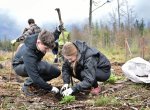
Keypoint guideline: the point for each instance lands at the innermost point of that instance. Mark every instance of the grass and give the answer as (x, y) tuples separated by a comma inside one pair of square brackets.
[(112, 79), (114, 55), (67, 99), (118, 54), (116, 98), (106, 100), (5, 55), (8, 104)]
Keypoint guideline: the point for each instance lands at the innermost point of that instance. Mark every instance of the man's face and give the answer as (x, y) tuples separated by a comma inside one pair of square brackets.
[(41, 47)]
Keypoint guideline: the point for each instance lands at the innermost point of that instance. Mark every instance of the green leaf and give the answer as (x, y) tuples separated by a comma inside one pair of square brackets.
[(67, 99)]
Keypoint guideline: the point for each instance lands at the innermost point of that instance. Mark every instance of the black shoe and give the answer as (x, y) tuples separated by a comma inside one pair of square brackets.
[(26, 90), (33, 90)]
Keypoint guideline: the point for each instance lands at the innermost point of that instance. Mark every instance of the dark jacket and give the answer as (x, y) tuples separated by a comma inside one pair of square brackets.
[(33, 29), (89, 60), (29, 55), (56, 35)]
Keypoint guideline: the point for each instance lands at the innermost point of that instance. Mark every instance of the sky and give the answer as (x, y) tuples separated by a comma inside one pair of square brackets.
[(72, 11), (44, 10)]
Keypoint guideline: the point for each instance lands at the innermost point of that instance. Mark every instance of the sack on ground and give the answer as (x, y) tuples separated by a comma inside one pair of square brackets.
[(137, 70)]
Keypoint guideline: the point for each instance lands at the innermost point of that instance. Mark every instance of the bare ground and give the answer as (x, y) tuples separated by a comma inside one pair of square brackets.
[(129, 96)]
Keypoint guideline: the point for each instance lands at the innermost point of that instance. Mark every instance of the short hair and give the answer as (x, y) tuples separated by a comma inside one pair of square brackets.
[(47, 38), (30, 21)]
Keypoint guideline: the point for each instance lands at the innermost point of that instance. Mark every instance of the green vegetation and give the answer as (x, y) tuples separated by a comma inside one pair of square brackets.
[(106, 100), (114, 78), (113, 54), (9, 104), (2, 58), (118, 43), (67, 99)]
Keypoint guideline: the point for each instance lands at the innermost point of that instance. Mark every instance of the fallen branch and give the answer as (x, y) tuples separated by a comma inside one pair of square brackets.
[(113, 89), (49, 106), (74, 107)]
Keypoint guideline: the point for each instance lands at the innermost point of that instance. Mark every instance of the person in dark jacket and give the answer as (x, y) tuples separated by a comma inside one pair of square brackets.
[(86, 64), (61, 32), (28, 62), (33, 29), (55, 49)]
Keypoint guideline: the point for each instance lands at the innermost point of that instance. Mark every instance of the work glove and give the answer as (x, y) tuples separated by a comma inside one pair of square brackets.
[(67, 92), (13, 42), (55, 90), (64, 87)]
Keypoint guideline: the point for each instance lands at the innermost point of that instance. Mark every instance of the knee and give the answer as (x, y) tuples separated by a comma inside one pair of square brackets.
[(42, 69), (102, 76), (54, 71), (20, 71)]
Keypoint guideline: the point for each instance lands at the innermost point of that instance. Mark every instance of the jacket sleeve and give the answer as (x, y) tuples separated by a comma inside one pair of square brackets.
[(31, 67), (66, 73), (26, 33), (56, 34), (32, 30), (87, 74)]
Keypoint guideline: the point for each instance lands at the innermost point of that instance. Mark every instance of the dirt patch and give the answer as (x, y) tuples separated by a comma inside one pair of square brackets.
[(129, 96)]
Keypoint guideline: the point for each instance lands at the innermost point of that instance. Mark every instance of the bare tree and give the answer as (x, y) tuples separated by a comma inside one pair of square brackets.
[(129, 17), (118, 13), (90, 14)]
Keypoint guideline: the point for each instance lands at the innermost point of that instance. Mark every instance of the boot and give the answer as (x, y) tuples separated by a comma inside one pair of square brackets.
[(33, 90), (95, 91), (27, 90)]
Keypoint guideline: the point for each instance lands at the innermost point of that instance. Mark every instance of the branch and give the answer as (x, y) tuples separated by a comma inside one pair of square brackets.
[(100, 5)]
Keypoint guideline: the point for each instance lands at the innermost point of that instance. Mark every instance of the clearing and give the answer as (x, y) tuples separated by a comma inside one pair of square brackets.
[(121, 95)]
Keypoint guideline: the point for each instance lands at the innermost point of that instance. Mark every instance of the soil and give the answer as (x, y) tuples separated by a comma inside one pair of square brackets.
[(129, 95)]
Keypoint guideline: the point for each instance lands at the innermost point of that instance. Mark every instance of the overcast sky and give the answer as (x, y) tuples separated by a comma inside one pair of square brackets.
[(71, 10)]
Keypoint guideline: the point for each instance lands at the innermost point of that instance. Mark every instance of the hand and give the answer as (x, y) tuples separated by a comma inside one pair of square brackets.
[(26, 29), (55, 90), (13, 42), (60, 27), (64, 87), (67, 92)]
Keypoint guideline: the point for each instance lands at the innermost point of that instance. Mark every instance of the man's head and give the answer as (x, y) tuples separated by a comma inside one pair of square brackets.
[(70, 52), (31, 21), (45, 41)]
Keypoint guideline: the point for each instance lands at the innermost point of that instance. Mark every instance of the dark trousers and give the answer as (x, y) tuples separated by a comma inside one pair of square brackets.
[(102, 74), (46, 71)]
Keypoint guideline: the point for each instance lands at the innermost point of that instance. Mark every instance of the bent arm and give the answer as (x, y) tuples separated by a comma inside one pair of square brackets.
[(88, 75), (31, 67)]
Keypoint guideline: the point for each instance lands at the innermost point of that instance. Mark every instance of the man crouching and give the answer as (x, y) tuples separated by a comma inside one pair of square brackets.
[(27, 62)]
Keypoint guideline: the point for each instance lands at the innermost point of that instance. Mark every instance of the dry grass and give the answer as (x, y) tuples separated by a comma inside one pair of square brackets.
[(124, 95)]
